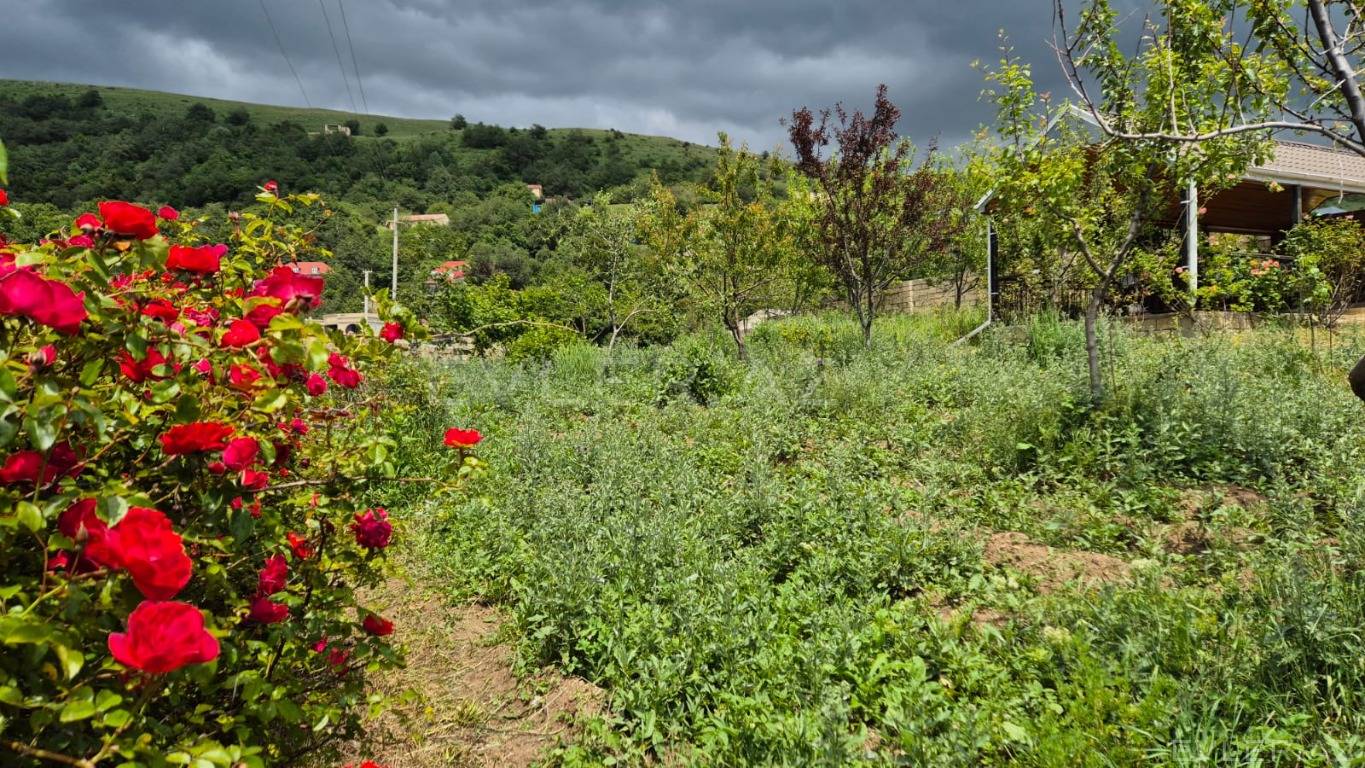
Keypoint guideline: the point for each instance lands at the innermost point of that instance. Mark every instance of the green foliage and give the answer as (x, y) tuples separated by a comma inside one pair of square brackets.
[(109, 392), (785, 569), (1328, 261)]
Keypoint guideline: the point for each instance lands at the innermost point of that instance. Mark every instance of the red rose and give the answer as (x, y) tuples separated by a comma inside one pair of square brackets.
[(4, 197), (204, 260), (241, 333), (140, 371), (88, 222), (168, 213), (203, 367), (163, 637), (50, 302), (241, 453), (372, 528), (317, 385), (25, 466), (80, 524), (43, 357), (127, 219), (272, 187), (338, 658), (293, 290), (216, 467), (162, 310), (152, 553), (391, 332), (300, 546), (262, 313), (243, 377), (204, 318), (377, 625), (272, 577), (195, 437), (267, 611), (347, 378), (299, 426), (255, 481), (463, 438)]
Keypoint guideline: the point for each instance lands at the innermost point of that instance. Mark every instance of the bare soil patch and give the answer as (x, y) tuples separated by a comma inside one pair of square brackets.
[(1052, 567), (458, 701)]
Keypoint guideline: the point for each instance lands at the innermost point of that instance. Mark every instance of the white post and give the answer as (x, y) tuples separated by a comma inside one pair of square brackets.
[(393, 285), (990, 269), (1192, 239)]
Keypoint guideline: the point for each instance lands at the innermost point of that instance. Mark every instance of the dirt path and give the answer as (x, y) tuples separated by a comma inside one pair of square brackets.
[(458, 702)]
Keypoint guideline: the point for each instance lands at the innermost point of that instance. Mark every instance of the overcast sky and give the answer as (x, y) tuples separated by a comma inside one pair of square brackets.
[(684, 68)]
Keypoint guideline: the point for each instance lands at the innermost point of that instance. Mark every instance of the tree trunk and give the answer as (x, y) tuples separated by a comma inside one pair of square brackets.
[(865, 317), (1092, 346), (737, 333)]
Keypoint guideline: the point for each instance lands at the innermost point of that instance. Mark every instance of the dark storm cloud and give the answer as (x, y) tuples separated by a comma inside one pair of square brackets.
[(686, 68)]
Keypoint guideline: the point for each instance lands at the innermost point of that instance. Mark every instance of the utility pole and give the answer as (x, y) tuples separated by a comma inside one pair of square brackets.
[(393, 285), (367, 290)]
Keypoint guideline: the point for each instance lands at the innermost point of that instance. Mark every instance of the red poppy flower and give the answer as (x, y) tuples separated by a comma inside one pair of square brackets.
[(152, 552), (463, 438), (377, 625), (195, 437), (243, 377), (168, 213), (273, 576), (253, 480), (127, 219), (241, 333), (372, 528), (88, 222), (391, 332), (241, 453), (162, 310), (163, 637), (203, 260), (292, 289), (317, 385), (299, 545), (267, 611)]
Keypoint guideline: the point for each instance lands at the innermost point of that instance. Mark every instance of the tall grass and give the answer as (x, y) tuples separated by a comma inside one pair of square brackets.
[(776, 563)]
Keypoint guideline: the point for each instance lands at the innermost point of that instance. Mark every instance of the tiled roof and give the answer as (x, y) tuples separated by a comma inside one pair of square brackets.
[(1297, 162), (310, 267)]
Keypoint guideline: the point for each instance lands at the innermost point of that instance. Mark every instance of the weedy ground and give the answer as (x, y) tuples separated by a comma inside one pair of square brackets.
[(924, 554)]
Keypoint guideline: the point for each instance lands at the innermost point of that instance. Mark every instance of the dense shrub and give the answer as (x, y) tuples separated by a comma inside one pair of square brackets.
[(187, 460)]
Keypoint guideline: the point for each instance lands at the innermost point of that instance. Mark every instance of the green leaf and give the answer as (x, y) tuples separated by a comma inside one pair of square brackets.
[(77, 710), (90, 372), (118, 718), (271, 400), (42, 431), (106, 700), (29, 516), (9, 388), (71, 660), (4, 164)]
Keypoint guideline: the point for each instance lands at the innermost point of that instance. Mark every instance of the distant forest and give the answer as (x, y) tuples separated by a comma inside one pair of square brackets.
[(68, 149)]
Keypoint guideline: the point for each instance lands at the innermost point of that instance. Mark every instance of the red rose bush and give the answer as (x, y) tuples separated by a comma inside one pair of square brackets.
[(191, 470)]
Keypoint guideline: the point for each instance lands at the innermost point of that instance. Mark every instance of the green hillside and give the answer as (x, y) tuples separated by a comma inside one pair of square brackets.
[(193, 150)]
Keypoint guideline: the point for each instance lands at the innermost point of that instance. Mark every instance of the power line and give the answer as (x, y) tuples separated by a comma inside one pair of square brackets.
[(285, 54), (337, 51), (363, 102)]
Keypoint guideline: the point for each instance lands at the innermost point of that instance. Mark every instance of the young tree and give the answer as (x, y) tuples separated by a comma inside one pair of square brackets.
[(1102, 198), (735, 251), (602, 241), (1263, 68), (877, 216)]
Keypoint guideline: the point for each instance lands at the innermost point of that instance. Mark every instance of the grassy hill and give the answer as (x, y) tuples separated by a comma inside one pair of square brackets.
[(150, 145)]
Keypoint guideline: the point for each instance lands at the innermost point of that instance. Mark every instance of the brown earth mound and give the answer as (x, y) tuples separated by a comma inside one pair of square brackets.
[(1052, 567)]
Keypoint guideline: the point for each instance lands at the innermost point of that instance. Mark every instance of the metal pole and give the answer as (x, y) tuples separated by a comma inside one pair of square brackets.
[(1192, 239), (393, 285)]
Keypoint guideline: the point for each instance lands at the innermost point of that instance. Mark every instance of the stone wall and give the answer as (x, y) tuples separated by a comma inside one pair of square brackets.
[(920, 295)]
